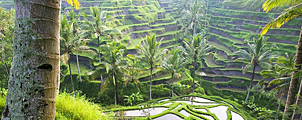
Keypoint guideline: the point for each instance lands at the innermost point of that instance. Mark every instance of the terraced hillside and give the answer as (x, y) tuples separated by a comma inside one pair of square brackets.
[(135, 19), (185, 107), (228, 30)]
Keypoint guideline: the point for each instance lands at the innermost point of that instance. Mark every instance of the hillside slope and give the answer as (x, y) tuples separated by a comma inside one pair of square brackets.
[(229, 27)]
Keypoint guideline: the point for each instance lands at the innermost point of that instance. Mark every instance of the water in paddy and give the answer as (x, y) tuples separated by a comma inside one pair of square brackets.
[(169, 117), (236, 116), (185, 113), (196, 103), (152, 111), (220, 112)]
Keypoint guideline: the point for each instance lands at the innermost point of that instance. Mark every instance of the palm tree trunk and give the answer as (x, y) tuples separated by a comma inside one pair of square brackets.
[(297, 100), (115, 93), (251, 83), (280, 99), (35, 67), (99, 49), (99, 53), (151, 81), (172, 84), (193, 74), (294, 81), (3, 56), (207, 9), (71, 78), (194, 29), (78, 66)]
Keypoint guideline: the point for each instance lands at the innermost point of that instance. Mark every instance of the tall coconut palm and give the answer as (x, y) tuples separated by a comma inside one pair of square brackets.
[(195, 51), (151, 54), (281, 74), (80, 47), (131, 70), (293, 11), (192, 15), (112, 66), (72, 42), (173, 64), (35, 70), (100, 26), (257, 55)]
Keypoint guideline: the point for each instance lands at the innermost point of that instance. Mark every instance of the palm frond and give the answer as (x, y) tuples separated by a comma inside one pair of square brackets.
[(247, 67), (288, 14)]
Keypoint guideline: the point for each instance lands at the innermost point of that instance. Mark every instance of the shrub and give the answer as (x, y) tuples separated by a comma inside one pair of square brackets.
[(3, 94), (200, 90)]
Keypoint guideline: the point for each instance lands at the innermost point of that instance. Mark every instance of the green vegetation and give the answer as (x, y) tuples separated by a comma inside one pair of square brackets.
[(78, 108), (205, 40)]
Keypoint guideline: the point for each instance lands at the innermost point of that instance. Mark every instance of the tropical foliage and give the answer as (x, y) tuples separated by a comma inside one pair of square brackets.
[(257, 55), (195, 51), (173, 64), (72, 41), (6, 36), (192, 15), (150, 54), (112, 66), (293, 11)]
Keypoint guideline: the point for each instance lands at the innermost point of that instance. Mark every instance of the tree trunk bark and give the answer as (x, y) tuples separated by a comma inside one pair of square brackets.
[(78, 66), (115, 94), (193, 74), (293, 88), (297, 100), (280, 100), (99, 49), (99, 53), (71, 78), (194, 31), (151, 82), (172, 84), (251, 83), (3, 56), (35, 66)]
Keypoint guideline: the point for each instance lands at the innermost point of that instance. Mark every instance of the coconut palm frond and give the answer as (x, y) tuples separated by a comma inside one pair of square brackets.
[(290, 13)]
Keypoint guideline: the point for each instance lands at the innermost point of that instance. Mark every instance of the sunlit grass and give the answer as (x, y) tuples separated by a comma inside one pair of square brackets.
[(78, 108)]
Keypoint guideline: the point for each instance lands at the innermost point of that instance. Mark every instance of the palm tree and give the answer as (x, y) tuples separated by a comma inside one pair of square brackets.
[(192, 15), (80, 47), (195, 51), (151, 54), (112, 65), (293, 11), (131, 70), (257, 55), (72, 42), (99, 26), (174, 64), (281, 75)]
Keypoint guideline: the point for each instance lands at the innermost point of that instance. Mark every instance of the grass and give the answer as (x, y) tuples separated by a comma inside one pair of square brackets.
[(74, 68), (164, 24), (2, 99), (68, 107), (210, 62), (221, 47)]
